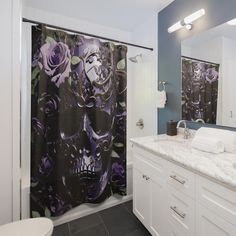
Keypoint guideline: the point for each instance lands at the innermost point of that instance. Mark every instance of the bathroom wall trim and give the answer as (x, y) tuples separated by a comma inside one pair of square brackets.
[(16, 85)]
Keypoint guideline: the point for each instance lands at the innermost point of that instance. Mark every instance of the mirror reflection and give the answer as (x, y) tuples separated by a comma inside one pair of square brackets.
[(209, 76)]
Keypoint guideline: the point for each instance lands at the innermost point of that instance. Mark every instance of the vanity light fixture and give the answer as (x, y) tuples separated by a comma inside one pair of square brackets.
[(232, 22), (187, 21)]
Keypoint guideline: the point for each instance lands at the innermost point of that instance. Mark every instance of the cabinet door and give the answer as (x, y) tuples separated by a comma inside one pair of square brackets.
[(209, 223), (140, 196), (157, 206), (173, 230)]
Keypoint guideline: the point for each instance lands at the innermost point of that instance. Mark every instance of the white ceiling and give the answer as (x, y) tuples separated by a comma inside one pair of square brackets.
[(120, 14)]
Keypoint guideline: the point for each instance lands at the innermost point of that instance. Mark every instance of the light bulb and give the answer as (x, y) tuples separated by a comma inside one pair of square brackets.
[(175, 27), (189, 19), (232, 22)]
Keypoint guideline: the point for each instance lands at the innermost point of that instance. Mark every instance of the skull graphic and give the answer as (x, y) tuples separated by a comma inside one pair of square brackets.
[(92, 113)]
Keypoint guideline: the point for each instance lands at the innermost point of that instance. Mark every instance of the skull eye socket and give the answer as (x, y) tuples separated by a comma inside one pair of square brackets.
[(101, 121), (70, 122)]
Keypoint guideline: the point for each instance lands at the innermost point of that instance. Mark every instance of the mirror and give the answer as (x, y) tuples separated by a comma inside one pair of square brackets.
[(209, 76)]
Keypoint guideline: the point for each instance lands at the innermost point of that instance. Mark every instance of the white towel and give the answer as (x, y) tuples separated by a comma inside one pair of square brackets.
[(227, 137), (208, 144), (161, 99)]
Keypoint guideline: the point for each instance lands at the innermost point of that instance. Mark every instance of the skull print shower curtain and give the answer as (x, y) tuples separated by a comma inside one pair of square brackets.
[(78, 121)]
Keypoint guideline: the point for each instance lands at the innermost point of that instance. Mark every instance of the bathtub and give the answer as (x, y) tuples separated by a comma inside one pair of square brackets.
[(82, 210)]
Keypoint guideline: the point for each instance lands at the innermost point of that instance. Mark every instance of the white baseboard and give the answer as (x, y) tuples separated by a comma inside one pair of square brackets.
[(88, 209)]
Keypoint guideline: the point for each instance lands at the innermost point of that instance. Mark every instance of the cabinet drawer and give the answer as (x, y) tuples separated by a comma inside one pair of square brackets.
[(148, 168), (217, 198), (181, 179), (208, 223), (181, 212), (173, 230)]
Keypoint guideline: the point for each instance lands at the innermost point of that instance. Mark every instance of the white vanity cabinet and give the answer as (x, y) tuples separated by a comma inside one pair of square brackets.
[(173, 201), (216, 209), (149, 193), (209, 223)]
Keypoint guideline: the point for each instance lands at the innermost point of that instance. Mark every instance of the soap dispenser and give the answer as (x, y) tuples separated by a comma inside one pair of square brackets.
[(171, 129)]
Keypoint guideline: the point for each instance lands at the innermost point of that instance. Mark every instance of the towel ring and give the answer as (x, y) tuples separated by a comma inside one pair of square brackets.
[(163, 83)]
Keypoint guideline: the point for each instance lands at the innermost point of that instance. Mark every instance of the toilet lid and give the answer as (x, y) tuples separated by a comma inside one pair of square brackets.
[(29, 227)]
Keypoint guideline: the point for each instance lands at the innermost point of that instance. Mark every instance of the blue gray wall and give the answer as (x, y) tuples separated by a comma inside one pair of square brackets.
[(169, 46)]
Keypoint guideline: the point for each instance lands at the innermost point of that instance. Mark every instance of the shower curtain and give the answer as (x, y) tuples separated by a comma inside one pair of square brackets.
[(199, 90), (78, 121)]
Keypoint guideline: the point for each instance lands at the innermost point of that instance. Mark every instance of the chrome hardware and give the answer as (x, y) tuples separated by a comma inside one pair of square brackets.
[(186, 130), (140, 123), (146, 177), (180, 122), (186, 133), (200, 120), (175, 209), (174, 177), (163, 83)]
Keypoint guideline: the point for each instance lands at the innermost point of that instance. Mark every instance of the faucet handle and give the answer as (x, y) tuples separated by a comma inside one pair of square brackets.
[(187, 133)]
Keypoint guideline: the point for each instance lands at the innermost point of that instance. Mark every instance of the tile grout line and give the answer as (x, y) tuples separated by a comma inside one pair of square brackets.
[(68, 225), (126, 208), (132, 214), (104, 224), (132, 232), (86, 228)]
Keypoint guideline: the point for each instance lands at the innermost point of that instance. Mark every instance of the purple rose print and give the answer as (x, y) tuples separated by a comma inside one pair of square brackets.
[(118, 169), (48, 104), (46, 165), (118, 175), (78, 116), (55, 60), (199, 90)]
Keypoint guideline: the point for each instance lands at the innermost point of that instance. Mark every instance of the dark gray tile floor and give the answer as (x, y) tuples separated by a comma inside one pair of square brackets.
[(115, 221)]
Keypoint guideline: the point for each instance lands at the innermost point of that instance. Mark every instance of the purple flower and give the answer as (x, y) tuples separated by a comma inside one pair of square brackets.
[(55, 59), (48, 104), (46, 165), (118, 169)]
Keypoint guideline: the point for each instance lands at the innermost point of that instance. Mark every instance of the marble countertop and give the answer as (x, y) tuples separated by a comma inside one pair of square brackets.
[(221, 167)]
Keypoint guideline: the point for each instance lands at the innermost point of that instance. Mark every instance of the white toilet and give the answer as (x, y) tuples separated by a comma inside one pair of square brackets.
[(29, 227)]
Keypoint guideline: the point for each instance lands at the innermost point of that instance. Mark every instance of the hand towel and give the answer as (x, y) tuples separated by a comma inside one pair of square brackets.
[(208, 144), (227, 137), (161, 99)]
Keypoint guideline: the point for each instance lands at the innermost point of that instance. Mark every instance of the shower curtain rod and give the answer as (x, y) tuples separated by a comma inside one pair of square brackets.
[(195, 59), (87, 34)]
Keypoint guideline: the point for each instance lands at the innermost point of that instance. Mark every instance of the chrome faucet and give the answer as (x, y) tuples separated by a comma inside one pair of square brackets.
[(186, 130), (200, 120)]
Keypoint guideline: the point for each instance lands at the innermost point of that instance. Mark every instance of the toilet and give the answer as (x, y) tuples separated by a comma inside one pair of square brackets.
[(28, 227)]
